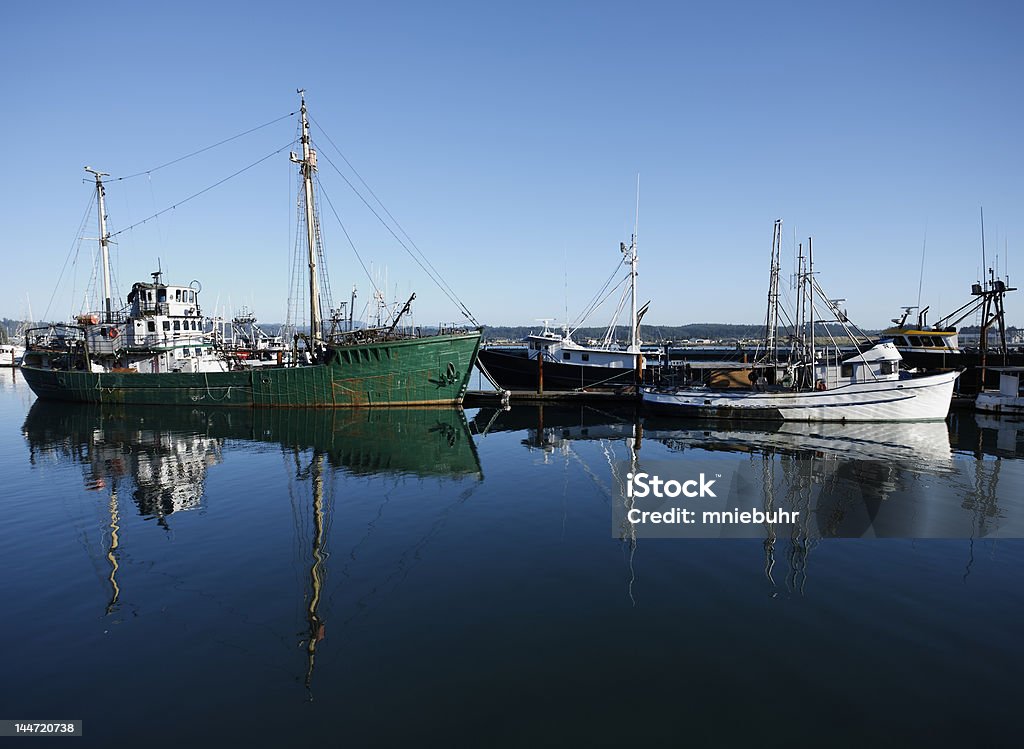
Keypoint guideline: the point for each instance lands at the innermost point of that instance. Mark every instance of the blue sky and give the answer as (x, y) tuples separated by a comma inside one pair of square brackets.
[(507, 140)]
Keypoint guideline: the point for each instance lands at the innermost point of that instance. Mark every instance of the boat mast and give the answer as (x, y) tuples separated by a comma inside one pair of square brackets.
[(104, 242), (308, 166), (634, 323), (771, 327), (810, 295)]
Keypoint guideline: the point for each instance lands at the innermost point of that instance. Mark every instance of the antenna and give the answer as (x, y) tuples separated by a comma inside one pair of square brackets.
[(984, 262), (920, 280)]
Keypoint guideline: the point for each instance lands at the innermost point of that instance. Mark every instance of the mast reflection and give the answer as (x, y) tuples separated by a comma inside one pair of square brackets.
[(163, 456)]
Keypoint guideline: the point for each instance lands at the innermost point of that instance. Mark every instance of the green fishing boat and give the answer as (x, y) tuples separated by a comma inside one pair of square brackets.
[(157, 351)]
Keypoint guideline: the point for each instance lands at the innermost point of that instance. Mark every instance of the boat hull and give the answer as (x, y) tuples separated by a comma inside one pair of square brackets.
[(514, 370), (410, 372), (917, 399)]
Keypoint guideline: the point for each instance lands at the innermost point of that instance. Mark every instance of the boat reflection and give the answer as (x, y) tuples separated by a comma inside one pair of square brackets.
[(163, 455), (870, 480), (167, 451)]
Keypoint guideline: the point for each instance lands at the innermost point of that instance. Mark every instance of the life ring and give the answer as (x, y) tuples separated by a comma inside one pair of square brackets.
[(112, 333)]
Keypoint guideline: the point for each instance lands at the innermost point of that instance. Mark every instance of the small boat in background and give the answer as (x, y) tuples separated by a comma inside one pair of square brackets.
[(1008, 400), (10, 355), (941, 346)]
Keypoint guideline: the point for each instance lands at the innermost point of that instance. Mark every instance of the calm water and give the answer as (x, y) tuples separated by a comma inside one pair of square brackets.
[(429, 577)]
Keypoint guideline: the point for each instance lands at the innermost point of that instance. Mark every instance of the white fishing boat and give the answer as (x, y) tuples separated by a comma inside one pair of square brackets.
[(818, 383), (865, 387), (1009, 398)]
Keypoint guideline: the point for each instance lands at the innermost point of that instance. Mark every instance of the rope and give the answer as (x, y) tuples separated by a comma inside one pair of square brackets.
[(429, 269), (203, 150), (204, 190)]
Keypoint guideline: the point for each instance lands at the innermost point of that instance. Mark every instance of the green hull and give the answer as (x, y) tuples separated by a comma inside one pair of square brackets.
[(409, 372)]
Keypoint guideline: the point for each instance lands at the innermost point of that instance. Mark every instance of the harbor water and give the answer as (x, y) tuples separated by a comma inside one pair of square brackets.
[(440, 577)]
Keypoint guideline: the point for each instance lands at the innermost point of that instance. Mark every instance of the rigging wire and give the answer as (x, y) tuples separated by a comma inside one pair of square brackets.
[(203, 150), (432, 273), (326, 197), (72, 256), (598, 299), (204, 190)]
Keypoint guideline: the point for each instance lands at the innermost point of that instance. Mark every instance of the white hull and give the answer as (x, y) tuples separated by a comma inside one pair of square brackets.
[(918, 399)]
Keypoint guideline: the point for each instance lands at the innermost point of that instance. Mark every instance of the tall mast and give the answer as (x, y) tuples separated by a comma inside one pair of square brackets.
[(308, 166), (810, 294), (634, 334), (104, 243), (771, 326)]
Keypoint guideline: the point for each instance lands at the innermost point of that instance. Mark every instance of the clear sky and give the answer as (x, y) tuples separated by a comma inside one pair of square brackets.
[(507, 139)]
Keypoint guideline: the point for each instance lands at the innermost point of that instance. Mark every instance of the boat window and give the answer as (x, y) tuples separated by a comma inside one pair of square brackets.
[(899, 340), (566, 355), (167, 325), (151, 326), (149, 296), (914, 340), (846, 370), (177, 325), (585, 357), (177, 295), (887, 368), (187, 352), (161, 295)]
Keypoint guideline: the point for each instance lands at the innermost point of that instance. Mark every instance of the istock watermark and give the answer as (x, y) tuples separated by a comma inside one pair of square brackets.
[(644, 484), (771, 496)]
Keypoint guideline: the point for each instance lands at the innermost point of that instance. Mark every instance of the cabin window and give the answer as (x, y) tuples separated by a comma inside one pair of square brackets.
[(199, 352), (566, 355), (887, 368), (846, 370), (187, 352), (914, 340), (585, 357), (177, 295), (151, 326), (167, 325), (177, 325), (899, 340), (161, 296)]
